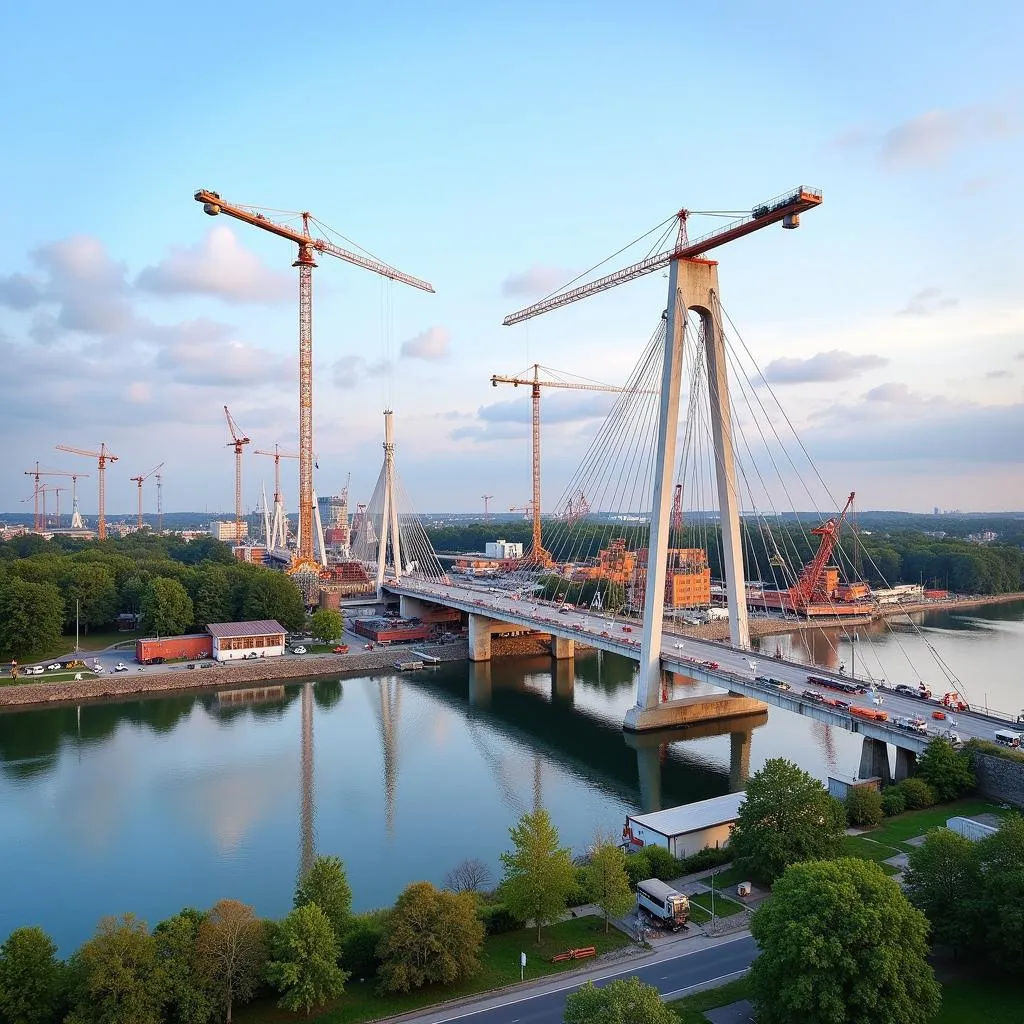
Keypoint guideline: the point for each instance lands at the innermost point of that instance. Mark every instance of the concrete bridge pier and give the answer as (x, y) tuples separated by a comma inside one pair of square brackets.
[(563, 680), (874, 760), (739, 760), (412, 607), (480, 684), (906, 764), (562, 647)]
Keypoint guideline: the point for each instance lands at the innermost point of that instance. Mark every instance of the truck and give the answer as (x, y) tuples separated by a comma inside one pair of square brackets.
[(157, 650), (716, 614), (661, 903)]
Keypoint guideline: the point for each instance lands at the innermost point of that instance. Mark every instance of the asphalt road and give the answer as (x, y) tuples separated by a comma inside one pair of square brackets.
[(673, 974)]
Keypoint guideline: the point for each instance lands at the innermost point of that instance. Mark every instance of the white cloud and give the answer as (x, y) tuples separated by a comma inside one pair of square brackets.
[(220, 266), (835, 365), (431, 344), (535, 281), (926, 302), (997, 374)]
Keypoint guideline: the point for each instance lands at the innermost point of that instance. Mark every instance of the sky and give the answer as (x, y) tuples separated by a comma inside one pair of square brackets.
[(497, 151)]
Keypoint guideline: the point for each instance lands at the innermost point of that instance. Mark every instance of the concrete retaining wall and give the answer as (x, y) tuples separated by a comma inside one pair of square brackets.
[(999, 778)]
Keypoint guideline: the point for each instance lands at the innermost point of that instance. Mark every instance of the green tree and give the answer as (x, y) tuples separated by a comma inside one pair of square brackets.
[(304, 960), (166, 607), (840, 944), (607, 882), (31, 615), (941, 879), (326, 624), (187, 991), (211, 599), (539, 874), (116, 977), (1000, 910), (863, 807), (131, 594), (787, 816), (273, 595), (232, 947), (30, 978), (326, 885), (947, 770), (916, 793), (628, 1001), (434, 936), (91, 585)]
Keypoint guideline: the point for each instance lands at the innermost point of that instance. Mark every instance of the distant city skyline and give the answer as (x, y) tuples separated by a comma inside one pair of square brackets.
[(497, 154)]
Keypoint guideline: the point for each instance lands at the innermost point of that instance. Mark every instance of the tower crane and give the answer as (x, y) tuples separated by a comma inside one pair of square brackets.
[(537, 555), (238, 442), (102, 457), (56, 494), (487, 511), (278, 529), (39, 521), (39, 492), (159, 503), (140, 480), (309, 246)]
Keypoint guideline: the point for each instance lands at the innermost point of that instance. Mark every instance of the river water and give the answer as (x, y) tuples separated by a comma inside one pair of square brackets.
[(152, 805)]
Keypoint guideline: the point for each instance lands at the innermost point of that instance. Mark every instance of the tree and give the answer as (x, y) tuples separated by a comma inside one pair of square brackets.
[(211, 600), (468, 876), (187, 991), (628, 1001), (30, 978), (864, 807), (947, 770), (166, 607), (326, 885), (90, 587), (434, 936), (304, 960), (116, 975), (916, 793), (942, 875), (272, 595), (232, 946), (326, 624), (606, 880), (31, 615), (539, 874), (1001, 905), (840, 944), (787, 816)]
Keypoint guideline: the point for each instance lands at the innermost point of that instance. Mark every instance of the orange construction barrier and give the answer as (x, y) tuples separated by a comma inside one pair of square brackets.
[(574, 954)]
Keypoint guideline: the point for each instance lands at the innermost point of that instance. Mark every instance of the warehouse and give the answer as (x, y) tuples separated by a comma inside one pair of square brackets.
[(232, 641), (390, 631), (686, 829)]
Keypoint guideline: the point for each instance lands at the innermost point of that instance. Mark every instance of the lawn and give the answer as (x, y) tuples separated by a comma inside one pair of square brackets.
[(967, 1000), (691, 1009), (500, 967), (724, 907)]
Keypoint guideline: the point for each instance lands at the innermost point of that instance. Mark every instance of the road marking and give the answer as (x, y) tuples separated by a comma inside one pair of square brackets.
[(710, 983)]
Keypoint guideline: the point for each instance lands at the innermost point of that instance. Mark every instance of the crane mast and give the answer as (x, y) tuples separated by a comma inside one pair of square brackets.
[(140, 480), (238, 442), (102, 457), (305, 261)]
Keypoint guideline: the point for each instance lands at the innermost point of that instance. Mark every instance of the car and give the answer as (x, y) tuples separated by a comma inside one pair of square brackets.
[(250, 655), (367, 647), (341, 649), (56, 666), (34, 670), (679, 647), (711, 664), (779, 684), (627, 629), (298, 650), (811, 695), (904, 690), (120, 667)]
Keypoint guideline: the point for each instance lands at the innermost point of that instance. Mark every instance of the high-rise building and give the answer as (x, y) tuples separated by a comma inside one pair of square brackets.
[(225, 531)]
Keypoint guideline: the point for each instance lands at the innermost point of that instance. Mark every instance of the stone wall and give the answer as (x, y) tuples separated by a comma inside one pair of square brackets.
[(999, 778)]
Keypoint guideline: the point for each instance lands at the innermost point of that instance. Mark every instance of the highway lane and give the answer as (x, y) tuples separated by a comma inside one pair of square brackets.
[(672, 973)]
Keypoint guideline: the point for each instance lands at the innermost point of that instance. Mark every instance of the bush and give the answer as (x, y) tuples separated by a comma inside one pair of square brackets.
[(497, 918), (917, 793), (993, 750), (580, 893), (948, 771), (661, 863), (864, 807), (893, 801), (703, 860), (361, 942)]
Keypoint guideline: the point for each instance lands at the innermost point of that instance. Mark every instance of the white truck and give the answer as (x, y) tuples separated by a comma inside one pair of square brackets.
[(716, 614), (661, 903)]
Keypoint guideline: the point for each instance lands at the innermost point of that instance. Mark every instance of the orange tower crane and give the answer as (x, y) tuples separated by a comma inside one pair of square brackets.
[(238, 442), (102, 457), (278, 533), (537, 555), (39, 492), (308, 247), (140, 480), (39, 521)]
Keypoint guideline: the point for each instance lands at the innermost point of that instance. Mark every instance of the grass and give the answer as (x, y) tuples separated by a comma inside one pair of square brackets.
[(691, 1009), (967, 1000), (724, 907), (95, 641), (500, 962), (729, 878)]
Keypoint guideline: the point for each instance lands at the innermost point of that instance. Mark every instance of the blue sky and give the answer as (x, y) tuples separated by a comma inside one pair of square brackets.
[(497, 150)]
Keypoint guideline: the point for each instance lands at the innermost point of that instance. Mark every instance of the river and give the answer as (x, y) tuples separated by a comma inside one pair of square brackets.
[(152, 805)]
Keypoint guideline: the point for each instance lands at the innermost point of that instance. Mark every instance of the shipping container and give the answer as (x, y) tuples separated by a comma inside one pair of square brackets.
[(153, 651)]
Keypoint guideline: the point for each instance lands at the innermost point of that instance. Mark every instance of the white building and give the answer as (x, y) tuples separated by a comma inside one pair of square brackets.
[(225, 531), (232, 641), (687, 829), (503, 549)]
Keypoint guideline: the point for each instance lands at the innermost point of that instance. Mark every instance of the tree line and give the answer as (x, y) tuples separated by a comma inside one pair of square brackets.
[(174, 586)]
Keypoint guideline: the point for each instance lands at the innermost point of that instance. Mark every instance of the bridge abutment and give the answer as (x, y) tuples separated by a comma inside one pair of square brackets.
[(906, 764), (739, 760), (411, 607), (874, 760), (480, 629)]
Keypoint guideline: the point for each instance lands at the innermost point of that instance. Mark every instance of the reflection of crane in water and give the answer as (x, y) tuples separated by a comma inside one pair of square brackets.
[(387, 712), (826, 742), (498, 771), (307, 839)]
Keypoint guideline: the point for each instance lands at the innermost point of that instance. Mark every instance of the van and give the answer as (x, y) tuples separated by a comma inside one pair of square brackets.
[(1005, 738)]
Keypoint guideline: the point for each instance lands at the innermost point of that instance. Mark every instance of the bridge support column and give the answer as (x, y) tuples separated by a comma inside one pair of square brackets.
[(874, 760), (906, 764), (411, 607), (563, 680), (562, 647), (480, 637), (739, 760), (480, 684)]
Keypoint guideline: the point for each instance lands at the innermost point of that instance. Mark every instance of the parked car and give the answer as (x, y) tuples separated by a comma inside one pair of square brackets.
[(341, 649), (251, 655), (34, 670), (299, 650), (56, 666), (120, 667)]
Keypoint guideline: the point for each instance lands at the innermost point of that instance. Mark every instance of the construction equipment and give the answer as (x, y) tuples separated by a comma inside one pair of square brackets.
[(576, 508), (38, 495), (537, 555), (56, 492), (159, 504), (39, 520), (279, 525), (140, 480), (238, 442), (102, 457), (677, 508), (487, 512), (308, 247)]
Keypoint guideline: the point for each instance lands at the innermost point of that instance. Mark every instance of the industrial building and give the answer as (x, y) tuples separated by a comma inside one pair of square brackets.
[(263, 638), (389, 631), (687, 579), (503, 549), (687, 829)]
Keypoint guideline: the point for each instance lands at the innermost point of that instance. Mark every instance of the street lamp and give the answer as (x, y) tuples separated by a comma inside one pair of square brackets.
[(713, 873)]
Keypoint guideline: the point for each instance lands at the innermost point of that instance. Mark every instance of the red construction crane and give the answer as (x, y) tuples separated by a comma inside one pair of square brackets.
[(677, 508), (140, 480), (804, 591), (39, 492), (238, 442), (308, 246), (537, 555), (102, 457), (786, 208)]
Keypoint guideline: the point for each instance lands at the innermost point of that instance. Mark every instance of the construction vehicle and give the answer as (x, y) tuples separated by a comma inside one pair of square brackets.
[(954, 702)]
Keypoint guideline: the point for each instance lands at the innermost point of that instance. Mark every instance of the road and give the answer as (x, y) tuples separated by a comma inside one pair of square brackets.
[(691, 656), (674, 974)]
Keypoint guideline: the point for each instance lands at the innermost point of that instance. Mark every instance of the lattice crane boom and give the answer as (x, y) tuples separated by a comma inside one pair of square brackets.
[(829, 534), (786, 208), (140, 480), (102, 457), (38, 521), (238, 442), (308, 246)]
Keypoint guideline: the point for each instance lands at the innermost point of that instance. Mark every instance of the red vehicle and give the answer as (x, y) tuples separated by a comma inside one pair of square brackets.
[(627, 629), (341, 649), (173, 648), (711, 664), (954, 702)]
